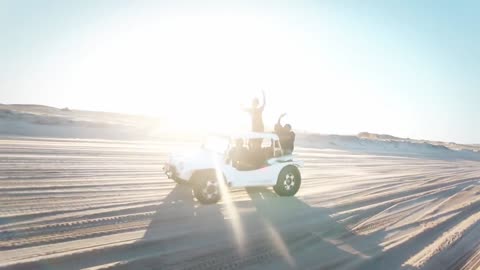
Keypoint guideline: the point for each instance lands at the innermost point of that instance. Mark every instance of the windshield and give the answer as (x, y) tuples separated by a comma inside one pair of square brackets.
[(216, 144)]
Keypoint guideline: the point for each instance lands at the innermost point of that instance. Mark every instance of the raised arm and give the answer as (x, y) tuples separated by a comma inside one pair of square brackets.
[(280, 118)]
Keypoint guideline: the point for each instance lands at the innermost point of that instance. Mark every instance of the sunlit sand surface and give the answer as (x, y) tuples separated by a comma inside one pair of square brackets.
[(68, 204)]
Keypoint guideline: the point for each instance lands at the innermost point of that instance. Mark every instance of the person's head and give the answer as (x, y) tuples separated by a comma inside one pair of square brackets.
[(288, 127), (255, 102), (239, 142)]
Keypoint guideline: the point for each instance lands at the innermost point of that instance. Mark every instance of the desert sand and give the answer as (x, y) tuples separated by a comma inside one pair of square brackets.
[(105, 204)]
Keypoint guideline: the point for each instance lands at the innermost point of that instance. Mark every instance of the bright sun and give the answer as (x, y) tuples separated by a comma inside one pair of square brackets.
[(198, 71)]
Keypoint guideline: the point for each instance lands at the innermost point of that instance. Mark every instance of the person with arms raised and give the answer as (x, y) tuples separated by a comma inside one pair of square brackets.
[(256, 113)]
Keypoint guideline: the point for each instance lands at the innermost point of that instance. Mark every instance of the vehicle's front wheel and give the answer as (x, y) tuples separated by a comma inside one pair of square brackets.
[(288, 182), (206, 188), (178, 180)]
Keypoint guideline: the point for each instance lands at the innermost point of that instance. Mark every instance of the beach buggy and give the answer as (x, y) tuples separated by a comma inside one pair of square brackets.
[(212, 170)]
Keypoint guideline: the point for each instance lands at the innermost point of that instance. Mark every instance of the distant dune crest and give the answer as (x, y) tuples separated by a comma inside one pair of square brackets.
[(44, 121)]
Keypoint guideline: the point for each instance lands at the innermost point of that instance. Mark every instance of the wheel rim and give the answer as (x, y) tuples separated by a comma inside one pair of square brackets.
[(210, 189), (289, 181)]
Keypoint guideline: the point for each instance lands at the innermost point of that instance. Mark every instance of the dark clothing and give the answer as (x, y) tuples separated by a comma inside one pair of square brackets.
[(287, 138), (279, 129), (257, 120), (246, 160), (238, 156), (288, 142), (256, 159)]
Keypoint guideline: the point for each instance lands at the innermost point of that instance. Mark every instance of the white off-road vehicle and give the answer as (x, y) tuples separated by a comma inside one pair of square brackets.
[(213, 167)]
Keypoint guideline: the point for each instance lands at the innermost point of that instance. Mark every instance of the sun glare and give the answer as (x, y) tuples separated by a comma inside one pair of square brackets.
[(231, 209), (185, 68), (197, 71)]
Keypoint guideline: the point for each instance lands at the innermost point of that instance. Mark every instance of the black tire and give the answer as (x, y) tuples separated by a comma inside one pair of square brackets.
[(288, 182), (206, 187), (178, 181)]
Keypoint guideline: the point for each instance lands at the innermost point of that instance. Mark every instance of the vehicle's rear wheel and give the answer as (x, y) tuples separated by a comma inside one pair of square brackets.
[(206, 188), (288, 182)]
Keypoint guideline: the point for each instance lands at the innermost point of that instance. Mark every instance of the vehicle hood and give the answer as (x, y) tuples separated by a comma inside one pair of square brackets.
[(199, 159)]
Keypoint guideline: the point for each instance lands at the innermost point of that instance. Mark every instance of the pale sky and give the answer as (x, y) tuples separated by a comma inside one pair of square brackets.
[(406, 68)]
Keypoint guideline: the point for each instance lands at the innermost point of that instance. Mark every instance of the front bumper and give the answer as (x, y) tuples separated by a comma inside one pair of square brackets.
[(174, 173), (170, 171)]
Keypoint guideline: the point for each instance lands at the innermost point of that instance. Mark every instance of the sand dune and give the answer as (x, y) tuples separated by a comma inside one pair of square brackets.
[(71, 204), (45, 121)]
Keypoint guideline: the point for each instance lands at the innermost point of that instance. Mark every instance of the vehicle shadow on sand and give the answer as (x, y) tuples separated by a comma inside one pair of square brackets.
[(257, 231), (312, 238), (261, 231)]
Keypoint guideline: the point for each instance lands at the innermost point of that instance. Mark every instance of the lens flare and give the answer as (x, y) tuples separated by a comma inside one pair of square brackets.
[(280, 245), (230, 207)]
